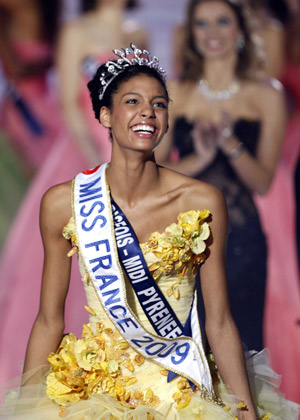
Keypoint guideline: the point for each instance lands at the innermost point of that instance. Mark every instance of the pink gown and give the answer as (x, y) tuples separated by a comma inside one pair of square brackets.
[(282, 307), (22, 257), (40, 98)]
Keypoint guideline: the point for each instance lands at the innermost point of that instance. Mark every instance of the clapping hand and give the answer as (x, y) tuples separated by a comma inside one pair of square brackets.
[(224, 132), (204, 136)]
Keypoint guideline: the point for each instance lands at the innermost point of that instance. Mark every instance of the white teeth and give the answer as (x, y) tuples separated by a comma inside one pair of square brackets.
[(214, 43), (142, 128)]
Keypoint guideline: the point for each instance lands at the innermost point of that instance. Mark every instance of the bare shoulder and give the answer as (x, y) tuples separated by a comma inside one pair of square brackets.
[(204, 195), (266, 95), (72, 30), (135, 33), (192, 194), (264, 89), (56, 208)]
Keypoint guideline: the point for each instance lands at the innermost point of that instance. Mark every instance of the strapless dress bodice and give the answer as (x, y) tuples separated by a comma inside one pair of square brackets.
[(172, 258)]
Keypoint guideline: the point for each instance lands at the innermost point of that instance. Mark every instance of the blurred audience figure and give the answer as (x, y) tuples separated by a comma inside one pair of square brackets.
[(227, 128), (279, 208), (28, 30), (294, 6), (290, 79), (291, 75), (266, 30), (82, 45)]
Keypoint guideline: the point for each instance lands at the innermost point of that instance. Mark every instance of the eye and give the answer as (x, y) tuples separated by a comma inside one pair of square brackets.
[(224, 21), (201, 23), (132, 101), (160, 104)]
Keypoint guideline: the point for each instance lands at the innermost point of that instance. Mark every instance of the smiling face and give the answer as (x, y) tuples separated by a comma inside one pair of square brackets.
[(215, 29), (139, 115)]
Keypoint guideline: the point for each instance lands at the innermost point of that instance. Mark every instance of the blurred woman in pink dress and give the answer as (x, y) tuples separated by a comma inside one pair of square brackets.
[(278, 207), (28, 32), (81, 45)]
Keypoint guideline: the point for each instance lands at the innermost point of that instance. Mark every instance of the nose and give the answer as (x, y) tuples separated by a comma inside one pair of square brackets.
[(147, 111), (212, 28)]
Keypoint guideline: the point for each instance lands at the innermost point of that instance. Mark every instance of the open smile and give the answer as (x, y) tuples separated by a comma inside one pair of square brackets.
[(144, 130), (213, 43)]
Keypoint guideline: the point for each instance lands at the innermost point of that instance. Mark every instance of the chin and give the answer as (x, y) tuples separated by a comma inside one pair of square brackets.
[(219, 53)]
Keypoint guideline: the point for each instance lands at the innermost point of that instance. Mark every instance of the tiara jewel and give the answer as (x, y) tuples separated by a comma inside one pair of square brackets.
[(127, 57)]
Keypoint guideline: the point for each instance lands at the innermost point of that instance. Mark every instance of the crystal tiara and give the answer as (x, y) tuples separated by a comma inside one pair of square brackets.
[(127, 57)]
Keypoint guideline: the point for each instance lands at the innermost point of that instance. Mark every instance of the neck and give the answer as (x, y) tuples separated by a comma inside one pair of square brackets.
[(220, 73), (130, 180)]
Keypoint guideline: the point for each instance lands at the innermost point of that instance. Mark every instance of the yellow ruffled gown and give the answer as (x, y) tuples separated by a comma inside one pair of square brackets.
[(99, 376)]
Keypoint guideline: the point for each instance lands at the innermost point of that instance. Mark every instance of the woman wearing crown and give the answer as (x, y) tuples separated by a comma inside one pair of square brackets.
[(140, 232)]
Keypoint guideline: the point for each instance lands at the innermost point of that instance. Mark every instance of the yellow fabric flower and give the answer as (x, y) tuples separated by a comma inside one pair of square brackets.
[(204, 231), (198, 246), (189, 220), (60, 393), (87, 366), (88, 354), (69, 231), (180, 246), (174, 229), (113, 366)]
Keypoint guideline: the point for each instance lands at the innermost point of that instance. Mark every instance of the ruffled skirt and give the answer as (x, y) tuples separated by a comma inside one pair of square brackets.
[(33, 404)]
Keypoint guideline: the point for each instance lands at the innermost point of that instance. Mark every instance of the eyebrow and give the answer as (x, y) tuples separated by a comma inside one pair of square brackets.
[(138, 94)]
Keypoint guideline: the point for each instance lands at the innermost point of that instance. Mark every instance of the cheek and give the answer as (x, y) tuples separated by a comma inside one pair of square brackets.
[(164, 121), (198, 37), (230, 32)]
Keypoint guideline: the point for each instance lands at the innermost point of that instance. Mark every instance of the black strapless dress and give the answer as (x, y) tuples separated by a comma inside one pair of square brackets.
[(246, 248)]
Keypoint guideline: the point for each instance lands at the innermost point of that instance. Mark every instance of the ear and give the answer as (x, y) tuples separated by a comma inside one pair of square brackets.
[(104, 117)]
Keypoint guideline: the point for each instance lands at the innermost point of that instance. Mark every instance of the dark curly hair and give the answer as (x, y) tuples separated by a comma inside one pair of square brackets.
[(95, 86), (87, 5), (193, 60)]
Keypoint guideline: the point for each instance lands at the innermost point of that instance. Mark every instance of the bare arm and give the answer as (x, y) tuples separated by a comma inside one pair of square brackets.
[(220, 327), (256, 172), (274, 38), (48, 327), (69, 60)]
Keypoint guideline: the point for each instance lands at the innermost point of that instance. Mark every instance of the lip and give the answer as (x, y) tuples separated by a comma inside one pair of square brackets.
[(145, 135), (213, 43)]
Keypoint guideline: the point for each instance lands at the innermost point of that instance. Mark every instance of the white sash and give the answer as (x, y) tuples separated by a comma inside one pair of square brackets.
[(95, 234)]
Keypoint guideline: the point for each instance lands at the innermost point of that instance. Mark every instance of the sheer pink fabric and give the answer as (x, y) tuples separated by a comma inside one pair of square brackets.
[(22, 257), (282, 309)]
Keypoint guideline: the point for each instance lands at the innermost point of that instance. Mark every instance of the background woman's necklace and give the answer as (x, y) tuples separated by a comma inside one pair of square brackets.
[(218, 95)]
